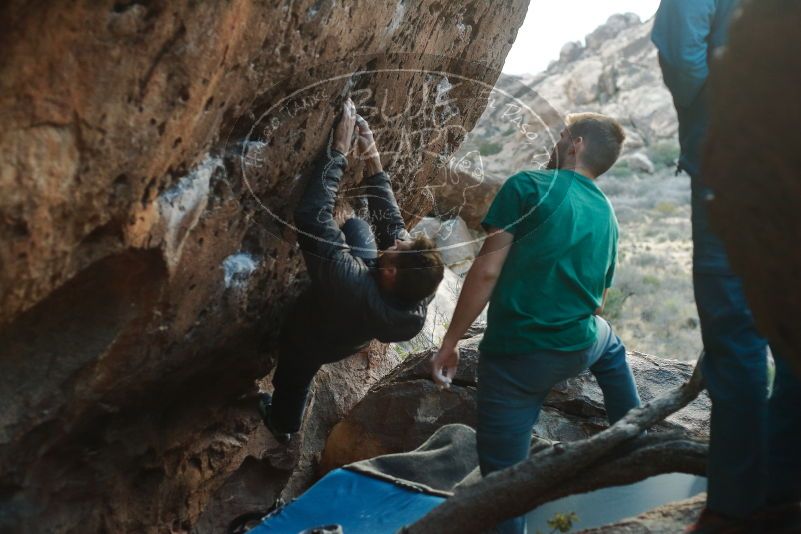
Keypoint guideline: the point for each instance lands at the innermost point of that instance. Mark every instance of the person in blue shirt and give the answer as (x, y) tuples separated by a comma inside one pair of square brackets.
[(746, 489)]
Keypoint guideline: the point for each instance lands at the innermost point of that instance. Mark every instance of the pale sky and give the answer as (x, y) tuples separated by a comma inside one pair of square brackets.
[(550, 24)]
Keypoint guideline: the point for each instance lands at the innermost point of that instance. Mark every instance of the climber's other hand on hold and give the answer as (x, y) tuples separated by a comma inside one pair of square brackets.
[(343, 131)]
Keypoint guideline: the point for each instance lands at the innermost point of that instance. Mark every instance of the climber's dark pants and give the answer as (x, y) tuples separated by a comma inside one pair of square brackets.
[(297, 366), (291, 383), (754, 443)]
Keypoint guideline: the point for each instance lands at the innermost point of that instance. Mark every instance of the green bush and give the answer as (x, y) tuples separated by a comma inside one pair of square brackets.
[(621, 169), (489, 148), (615, 299), (666, 208), (650, 280), (664, 153), (562, 522)]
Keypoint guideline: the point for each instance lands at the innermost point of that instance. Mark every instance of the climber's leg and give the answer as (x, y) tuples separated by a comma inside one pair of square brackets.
[(507, 410), (291, 382), (359, 237)]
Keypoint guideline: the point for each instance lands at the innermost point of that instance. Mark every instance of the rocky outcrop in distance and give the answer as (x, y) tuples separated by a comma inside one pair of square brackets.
[(150, 155), (615, 73)]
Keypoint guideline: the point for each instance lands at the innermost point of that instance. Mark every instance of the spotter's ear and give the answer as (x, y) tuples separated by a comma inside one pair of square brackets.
[(576, 144)]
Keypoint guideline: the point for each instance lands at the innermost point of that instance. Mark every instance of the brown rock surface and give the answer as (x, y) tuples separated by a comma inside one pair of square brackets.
[(752, 163), (141, 284), (466, 195), (405, 407)]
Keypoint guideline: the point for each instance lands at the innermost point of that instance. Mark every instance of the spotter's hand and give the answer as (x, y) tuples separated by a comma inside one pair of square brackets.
[(444, 364)]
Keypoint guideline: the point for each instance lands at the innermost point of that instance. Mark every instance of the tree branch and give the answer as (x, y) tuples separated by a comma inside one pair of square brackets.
[(520, 488)]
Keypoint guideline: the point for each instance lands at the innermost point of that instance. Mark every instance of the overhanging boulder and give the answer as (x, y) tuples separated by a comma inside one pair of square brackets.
[(145, 259)]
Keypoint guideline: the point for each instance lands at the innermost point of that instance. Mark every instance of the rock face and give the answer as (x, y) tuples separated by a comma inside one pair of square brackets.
[(667, 519), (455, 241), (405, 407), (754, 133), (144, 258), (466, 195)]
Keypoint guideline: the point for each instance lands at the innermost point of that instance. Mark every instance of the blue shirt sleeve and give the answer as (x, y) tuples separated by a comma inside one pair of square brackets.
[(681, 34)]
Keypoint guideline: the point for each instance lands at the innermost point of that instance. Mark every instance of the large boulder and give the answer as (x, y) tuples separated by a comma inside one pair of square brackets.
[(457, 244), (405, 407), (149, 160), (611, 29), (570, 51), (463, 194), (638, 163)]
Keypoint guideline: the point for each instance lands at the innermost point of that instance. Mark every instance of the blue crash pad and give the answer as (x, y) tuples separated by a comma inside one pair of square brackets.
[(361, 504)]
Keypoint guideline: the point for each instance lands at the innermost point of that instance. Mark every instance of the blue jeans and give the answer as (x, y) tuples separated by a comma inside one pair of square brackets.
[(754, 442), (512, 388)]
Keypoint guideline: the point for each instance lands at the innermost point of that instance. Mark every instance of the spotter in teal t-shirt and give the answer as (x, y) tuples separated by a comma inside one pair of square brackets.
[(556, 272)]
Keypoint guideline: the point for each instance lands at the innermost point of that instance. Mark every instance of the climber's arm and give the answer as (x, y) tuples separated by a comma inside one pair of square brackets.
[(475, 294), (384, 212), (325, 250)]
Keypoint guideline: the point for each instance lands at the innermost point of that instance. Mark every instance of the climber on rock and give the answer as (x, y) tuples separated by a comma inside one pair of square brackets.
[(545, 269), (366, 282)]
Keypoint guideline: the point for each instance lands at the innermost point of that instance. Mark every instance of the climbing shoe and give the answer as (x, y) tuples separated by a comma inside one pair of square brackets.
[(265, 407)]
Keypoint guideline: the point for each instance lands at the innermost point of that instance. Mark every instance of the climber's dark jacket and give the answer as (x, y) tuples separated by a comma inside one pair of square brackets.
[(344, 309)]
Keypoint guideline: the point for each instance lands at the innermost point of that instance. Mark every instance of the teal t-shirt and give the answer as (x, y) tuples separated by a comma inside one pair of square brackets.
[(561, 261)]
